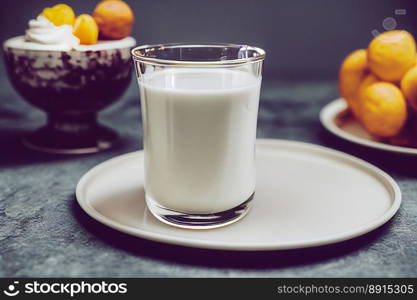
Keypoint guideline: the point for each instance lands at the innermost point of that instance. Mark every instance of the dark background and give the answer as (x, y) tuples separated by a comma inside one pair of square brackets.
[(44, 232), (303, 38)]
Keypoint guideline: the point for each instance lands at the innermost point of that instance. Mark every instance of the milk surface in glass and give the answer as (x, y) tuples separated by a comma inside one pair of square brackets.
[(200, 146)]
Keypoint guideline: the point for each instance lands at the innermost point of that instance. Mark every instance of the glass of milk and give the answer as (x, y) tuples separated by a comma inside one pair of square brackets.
[(199, 109)]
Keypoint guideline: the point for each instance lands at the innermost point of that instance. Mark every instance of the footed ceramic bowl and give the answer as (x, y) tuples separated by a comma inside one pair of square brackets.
[(71, 86)]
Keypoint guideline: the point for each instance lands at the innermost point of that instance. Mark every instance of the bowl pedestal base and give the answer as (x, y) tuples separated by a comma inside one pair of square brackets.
[(72, 133)]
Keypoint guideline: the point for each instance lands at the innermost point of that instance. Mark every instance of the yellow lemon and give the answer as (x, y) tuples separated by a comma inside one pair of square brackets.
[(391, 54), (60, 14), (383, 109), (352, 72), (86, 29), (409, 87)]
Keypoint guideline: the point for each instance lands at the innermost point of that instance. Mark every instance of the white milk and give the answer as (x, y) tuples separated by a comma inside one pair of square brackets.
[(199, 138)]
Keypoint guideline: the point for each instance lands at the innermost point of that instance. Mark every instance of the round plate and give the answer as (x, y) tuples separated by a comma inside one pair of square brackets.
[(306, 195), (335, 119)]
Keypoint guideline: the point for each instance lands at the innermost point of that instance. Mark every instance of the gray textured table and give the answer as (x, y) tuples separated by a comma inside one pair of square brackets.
[(43, 231)]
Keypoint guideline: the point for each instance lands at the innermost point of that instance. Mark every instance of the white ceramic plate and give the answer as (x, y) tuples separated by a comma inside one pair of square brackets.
[(306, 195), (334, 119)]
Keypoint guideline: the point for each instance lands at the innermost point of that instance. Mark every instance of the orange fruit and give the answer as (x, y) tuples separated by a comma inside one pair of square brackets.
[(409, 87), (352, 72), (367, 81), (383, 109), (114, 19), (391, 54), (86, 29), (60, 14)]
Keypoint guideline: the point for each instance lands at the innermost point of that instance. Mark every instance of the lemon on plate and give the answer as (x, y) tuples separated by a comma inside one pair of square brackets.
[(383, 109), (391, 54), (352, 72)]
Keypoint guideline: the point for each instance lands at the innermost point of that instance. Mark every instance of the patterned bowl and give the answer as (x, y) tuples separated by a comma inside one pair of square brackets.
[(71, 86)]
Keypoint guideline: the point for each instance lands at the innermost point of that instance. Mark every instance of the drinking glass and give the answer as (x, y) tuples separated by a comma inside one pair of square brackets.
[(199, 108)]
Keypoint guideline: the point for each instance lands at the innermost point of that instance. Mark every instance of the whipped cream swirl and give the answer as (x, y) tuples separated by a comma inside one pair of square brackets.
[(42, 31)]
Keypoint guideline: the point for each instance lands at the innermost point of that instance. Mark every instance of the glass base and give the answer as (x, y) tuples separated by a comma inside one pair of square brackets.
[(72, 134), (198, 221)]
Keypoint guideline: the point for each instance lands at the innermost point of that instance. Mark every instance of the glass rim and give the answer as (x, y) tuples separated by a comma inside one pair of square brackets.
[(167, 62)]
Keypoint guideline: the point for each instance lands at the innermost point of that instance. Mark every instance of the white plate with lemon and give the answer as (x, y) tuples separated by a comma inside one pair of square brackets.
[(379, 90), (337, 119)]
